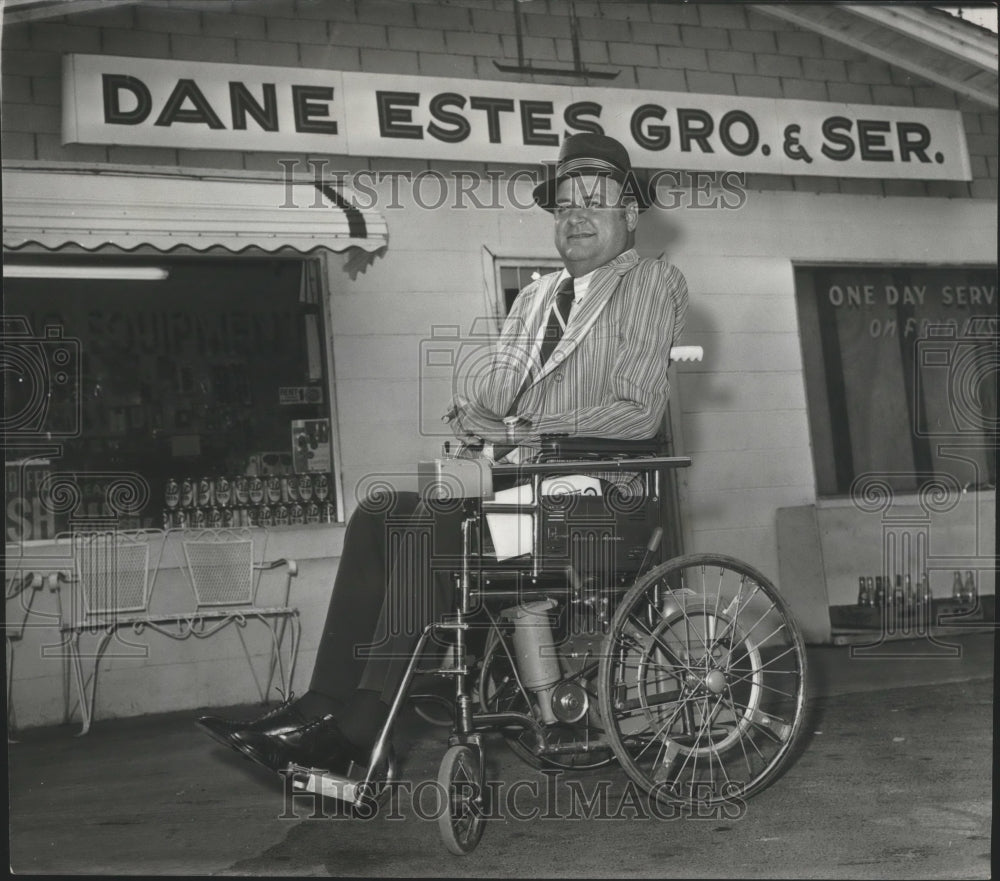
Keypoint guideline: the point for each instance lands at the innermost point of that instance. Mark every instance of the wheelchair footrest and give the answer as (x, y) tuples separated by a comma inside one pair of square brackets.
[(326, 783)]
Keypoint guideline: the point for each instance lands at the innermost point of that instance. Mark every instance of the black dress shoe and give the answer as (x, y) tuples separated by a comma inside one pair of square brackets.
[(284, 717), (218, 729), (318, 744)]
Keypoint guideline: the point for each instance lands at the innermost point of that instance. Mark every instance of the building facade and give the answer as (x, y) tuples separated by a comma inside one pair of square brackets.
[(338, 192)]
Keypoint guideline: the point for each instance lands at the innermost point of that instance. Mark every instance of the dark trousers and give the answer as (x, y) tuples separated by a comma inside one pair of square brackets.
[(394, 579)]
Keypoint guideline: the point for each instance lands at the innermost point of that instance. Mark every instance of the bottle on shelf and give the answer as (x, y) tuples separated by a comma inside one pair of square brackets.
[(205, 492), (241, 490), (925, 598), (971, 594), (187, 492), (321, 486), (957, 588), (926, 594), (305, 488), (255, 490), (223, 492), (898, 594)]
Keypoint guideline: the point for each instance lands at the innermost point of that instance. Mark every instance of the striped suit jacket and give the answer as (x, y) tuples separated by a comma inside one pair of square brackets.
[(608, 375)]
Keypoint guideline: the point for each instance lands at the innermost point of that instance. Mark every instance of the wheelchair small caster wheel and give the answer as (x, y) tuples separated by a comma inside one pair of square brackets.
[(462, 817)]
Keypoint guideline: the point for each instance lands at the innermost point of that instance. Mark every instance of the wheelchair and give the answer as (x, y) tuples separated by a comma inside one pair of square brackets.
[(689, 673)]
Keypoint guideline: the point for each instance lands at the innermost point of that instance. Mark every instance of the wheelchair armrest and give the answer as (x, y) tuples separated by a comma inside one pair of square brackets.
[(565, 447)]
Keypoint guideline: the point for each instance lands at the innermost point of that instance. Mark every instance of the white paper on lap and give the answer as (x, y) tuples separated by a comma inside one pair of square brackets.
[(511, 533)]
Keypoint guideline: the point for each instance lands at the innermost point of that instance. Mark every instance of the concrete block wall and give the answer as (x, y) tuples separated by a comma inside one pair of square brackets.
[(744, 408), (701, 48)]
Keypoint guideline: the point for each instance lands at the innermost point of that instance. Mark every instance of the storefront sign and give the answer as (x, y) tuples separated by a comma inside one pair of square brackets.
[(960, 304), (296, 395), (115, 100)]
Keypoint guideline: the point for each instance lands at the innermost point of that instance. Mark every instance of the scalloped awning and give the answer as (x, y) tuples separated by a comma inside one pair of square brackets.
[(54, 208)]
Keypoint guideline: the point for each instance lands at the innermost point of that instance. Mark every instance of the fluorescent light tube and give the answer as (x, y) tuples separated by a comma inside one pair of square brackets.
[(113, 273)]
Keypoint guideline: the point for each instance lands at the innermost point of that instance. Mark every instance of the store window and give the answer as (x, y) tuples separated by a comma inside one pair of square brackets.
[(901, 374), (204, 377)]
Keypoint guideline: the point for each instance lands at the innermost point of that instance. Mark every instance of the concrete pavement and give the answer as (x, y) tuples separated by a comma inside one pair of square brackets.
[(895, 780)]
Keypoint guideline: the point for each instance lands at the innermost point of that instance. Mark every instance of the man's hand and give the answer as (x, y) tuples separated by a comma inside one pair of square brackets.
[(518, 430), (468, 419)]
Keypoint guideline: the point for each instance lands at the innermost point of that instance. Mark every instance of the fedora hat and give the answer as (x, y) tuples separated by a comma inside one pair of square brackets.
[(588, 153)]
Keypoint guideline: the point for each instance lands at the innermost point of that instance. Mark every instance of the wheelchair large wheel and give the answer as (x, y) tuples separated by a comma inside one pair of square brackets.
[(501, 691), (702, 681), (463, 815)]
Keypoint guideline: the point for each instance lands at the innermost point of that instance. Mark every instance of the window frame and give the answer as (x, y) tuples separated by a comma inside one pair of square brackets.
[(494, 264)]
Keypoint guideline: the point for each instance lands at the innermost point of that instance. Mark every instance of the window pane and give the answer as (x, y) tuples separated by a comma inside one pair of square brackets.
[(217, 371), (514, 277), (901, 367)]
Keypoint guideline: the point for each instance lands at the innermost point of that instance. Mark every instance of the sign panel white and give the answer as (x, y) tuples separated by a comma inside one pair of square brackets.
[(115, 100)]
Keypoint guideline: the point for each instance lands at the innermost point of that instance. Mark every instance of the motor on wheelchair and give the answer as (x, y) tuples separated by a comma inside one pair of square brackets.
[(588, 650)]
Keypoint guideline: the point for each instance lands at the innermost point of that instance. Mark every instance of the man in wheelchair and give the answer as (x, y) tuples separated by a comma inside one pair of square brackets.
[(583, 353)]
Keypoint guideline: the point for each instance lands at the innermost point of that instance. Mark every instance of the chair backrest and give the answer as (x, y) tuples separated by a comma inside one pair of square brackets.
[(220, 563), (112, 568)]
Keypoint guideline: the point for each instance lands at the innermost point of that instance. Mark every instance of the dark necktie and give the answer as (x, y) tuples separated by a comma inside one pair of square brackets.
[(554, 330)]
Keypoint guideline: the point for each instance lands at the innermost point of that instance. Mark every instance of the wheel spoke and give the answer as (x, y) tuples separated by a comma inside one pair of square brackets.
[(770, 688), (663, 728), (773, 726), (756, 623), (778, 657), (666, 649), (734, 616)]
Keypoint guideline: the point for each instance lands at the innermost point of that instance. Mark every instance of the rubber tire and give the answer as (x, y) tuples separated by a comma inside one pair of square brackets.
[(462, 820)]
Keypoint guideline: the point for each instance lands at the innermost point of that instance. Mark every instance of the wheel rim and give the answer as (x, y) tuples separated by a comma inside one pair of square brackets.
[(461, 798), (461, 823), (706, 679), (703, 681)]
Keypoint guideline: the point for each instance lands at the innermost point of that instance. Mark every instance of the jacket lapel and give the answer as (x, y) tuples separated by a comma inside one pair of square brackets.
[(602, 286)]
